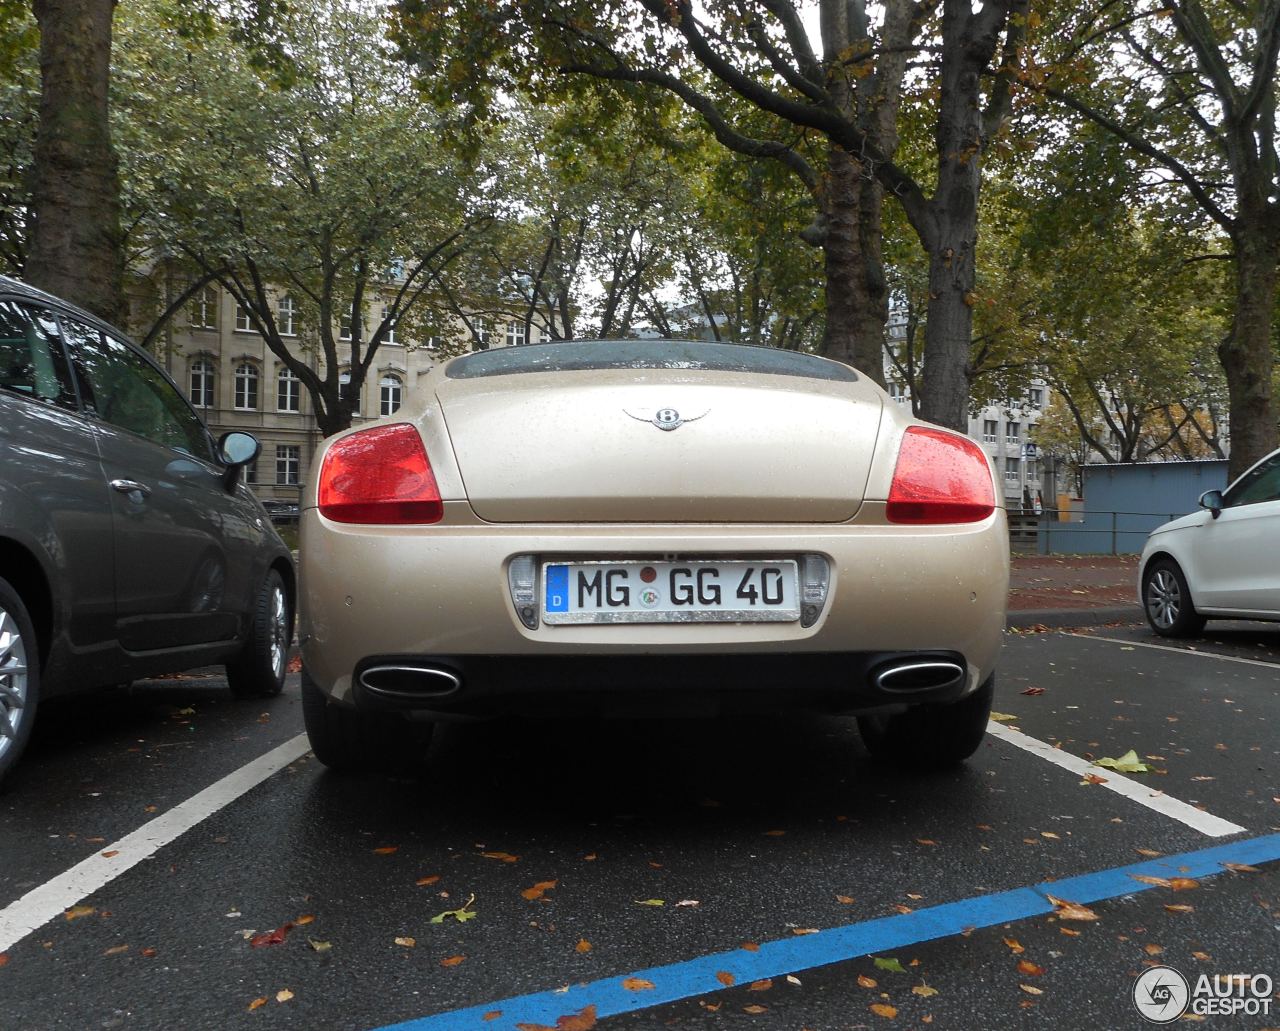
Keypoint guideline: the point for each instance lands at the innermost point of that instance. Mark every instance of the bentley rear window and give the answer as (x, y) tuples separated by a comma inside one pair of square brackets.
[(681, 355)]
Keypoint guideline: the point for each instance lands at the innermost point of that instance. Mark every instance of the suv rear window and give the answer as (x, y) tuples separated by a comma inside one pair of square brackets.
[(682, 355)]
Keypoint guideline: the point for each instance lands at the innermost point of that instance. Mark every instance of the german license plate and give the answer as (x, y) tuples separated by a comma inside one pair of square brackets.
[(748, 591)]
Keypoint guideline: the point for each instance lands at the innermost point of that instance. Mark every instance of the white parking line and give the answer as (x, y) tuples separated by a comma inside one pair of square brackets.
[(1175, 649), (40, 905), (1196, 819)]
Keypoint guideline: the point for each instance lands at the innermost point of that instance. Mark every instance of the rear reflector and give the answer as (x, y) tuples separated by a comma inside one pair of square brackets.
[(941, 477), (380, 475)]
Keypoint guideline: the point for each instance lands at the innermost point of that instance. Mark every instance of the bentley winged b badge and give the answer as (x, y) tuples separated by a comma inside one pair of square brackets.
[(666, 418)]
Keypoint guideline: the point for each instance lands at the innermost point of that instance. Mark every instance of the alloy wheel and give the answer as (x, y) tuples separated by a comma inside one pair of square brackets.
[(13, 680), (279, 630), (1164, 598)]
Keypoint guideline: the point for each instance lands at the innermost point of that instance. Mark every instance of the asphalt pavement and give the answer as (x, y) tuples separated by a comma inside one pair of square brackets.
[(170, 857)]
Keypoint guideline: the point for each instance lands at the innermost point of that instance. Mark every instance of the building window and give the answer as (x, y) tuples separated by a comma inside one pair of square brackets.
[(1012, 432), (390, 338), (244, 324), (515, 334), (434, 343), (391, 389), (246, 387), (1032, 473), (344, 328), (288, 392), (990, 428), (286, 313), (204, 309), (202, 383), (1036, 394), (482, 330), (288, 462), (1011, 470), (251, 472), (344, 385)]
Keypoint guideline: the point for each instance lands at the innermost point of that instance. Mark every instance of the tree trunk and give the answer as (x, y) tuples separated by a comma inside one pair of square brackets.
[(1247, 358), (77, 250), (856, 294)]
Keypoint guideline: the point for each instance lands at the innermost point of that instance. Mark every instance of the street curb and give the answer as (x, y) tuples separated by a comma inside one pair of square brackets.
[(1029, 619)]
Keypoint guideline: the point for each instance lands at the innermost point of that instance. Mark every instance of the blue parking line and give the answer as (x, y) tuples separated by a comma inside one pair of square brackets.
[(696, 977)]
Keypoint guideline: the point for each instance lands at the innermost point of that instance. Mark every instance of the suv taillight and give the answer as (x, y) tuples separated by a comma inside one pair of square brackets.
[(940, 477), (380, 475)]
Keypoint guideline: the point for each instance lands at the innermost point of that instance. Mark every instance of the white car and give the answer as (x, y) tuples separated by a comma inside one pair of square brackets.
[(1222, 562)]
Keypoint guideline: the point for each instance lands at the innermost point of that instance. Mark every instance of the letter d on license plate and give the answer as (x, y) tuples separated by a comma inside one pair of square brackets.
[(732, 591)]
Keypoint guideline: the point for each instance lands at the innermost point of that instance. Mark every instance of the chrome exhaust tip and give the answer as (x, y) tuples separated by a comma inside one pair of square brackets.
[(909, 676), (405, 683)]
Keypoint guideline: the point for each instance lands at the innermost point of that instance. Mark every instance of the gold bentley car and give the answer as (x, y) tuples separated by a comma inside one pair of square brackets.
[(637, 527)]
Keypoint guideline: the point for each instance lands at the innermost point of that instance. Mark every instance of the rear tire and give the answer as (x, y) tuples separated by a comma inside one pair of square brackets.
[(19, 677), (351, 740), (1166, 600), (931, 736), (259, 670)]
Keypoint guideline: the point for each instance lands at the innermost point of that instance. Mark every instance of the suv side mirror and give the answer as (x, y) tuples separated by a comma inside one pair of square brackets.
[(236, 450), (1212, 500)]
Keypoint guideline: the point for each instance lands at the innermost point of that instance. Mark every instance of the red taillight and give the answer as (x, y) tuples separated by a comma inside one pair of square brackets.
[(941, 477), (379, 475)]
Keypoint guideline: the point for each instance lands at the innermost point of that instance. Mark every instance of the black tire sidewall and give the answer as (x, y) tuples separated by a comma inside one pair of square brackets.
[(12, 603), (1188, 621), (252, 674)]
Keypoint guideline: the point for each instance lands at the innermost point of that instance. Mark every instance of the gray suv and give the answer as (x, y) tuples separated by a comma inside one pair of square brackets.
[(128, 545)]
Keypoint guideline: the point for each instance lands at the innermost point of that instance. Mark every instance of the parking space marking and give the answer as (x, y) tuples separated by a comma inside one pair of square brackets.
[(40, 905), (1165, 805), (702, 975), (1176, 650)]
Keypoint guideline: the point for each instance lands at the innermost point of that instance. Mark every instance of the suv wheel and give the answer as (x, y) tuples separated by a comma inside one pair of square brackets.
[(259, 670), (931, 736), (19, 676)]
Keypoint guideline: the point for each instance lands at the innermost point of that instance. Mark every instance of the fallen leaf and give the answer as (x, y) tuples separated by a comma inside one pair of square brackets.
[(462, 914), (148, 952), (903, 909), (844, 900), (1093, 778), (1050, 834), (1174, 907), (1159, 882), (1003, 717), (1071, 910), (925, 841), (538, 890), (1025, 966), (422, 882), (751, 946), (924, 991), (891, 964), (636, 984), (883, 1009), (1127, 763), (1183, 883), (4, 958), (492, 1015), (150, 808), (302, 921), (319, 946), (582, 946), (763, 985), (774, 834), (76, 912), (725, 978), (504, 857), (1069, 932), (688, 902), (590, 858), (649, 902), (1015, 946), (284, 995), (583, 1020), (755, 1010), (260, 1001), (792, 979), (1150, 852), (452, 961), (1033, 691), (275, 937), (1241, 867), (913, 895), (407, 942), (804, 930), (1031, 989), (386, 850), (867, 982), (1152, 949), (116, 950), (1203, 957), (111, 854)]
